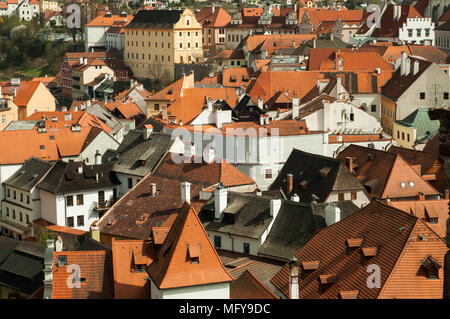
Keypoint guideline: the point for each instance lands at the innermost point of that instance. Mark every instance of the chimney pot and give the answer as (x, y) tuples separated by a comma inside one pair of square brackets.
[(289, 183), (186, 192), (220, 200), (153, 189), (293, 278), (332, 214)]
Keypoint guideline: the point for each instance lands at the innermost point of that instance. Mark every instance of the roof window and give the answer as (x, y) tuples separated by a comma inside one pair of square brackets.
[(411, 184), (431, 267), (352, 244), (402, 185)]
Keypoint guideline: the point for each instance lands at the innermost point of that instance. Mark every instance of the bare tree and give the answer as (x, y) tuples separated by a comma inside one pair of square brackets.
[(159, 73)]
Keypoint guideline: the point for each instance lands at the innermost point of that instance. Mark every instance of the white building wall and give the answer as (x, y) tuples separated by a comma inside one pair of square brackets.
[(236, 242), (6, 171), (102, 143), (369, 99), (362, 199), (416, 24), (95, 36), (210, 291), (50, 206)]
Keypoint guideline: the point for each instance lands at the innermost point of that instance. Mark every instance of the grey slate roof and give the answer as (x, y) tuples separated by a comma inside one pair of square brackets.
[(105, 116), (128, 157), (92, 244), (29, 174), (294, 226), (305, 168), (64, 178), (251, 215), (161, 19)]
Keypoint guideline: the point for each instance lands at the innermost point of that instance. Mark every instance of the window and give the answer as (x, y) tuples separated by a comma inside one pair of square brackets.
[(246, 248), (268, 173), (69, 221), (80, 220), (20, 216), (353, 195), (14, 214), (21, 197), (7, 211), (352, 116), (8, 191), (422, 95), (14, 195), (156, 107), (181, 45), (398, 134), (130, 183), (402, 185), (419, 32), (69, 200), (373, 108), (403, 135), (445, 95), (411, 184), (341, 196), (27, 218), (3, 119), (427, 32), (407, 137), (80, 200), (217, 241)]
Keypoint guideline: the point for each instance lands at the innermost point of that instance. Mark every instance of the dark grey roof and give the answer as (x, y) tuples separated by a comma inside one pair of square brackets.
[(92, 244), (308, 180), (161, 19), (8, 245), (321, 43), (347, 207), (251, 215), (294, 226), (29, 174), (64, 177), (105, 116), (129, 156)]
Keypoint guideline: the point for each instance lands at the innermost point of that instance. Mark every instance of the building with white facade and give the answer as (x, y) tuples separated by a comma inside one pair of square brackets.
[(75, 194), (417, 31)]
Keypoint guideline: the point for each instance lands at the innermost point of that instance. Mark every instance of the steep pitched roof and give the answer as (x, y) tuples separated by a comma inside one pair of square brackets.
[(187, 237), (420, 120), (315, 174), (429, 53), (96, 275), (23, 92), (383, 172), (247, 286), (29, 174), (414, 157), (210, 17), (136, 212), (107, 21), (389, 230)]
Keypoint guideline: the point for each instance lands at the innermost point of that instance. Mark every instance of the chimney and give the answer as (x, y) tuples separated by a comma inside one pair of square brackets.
[(164, 113), (261, 120), (208, 154), (295, 107), (332, 214), (295, 198), (267, 119), (403, 63), (153, 189), (407, 66), (88, 103), (48, 269), (98, 158), (289, 183), (220, 200), (260, 103), (349, 163), (446, 194), (314, 43), (378, 70), (186, 192), (415, 67), (293, 278), (420, 196), (96, 177), (81, 60), (275, 205), (213, 8), (85, 61), (147, 130), (80, 169)]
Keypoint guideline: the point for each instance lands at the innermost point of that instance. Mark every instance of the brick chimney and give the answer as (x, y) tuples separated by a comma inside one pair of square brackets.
[(349, 163), (446, 194), (289, 183), (420, 196)]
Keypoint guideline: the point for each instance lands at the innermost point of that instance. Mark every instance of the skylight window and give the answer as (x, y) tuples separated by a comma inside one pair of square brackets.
[(411, 184), (402, 185)]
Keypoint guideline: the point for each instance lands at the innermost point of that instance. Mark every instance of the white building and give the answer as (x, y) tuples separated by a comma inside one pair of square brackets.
[(417, 31), (75, 195), (95, 31)]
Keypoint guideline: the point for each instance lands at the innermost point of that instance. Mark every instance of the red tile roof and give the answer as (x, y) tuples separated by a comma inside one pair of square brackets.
[(103, 21), (174, 268), (247, 286), (399, 255), (24, 92), (95, 269), (59, 229), (208, 18)]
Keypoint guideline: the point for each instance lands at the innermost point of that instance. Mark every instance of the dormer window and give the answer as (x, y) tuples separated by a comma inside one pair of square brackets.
[(308, 267), (431, 267), (352, 244), (326, 281), (324, 171), (368, 253), (194, 252)]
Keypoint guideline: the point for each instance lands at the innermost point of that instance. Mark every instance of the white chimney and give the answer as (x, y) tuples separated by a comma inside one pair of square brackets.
[(147, 130), (208, 154), (88, 103), (275, 205), (213, 8), (210, 103), (85, 61), (295, 198), (293, 278), (98, 158), (407, 66), (261, 119), (186, 192), (415, 67), (403, 62), (332, 214), (260, 103), (295, 107), (81, 60), (152, 189), (164, 114), (220, 200), (267, 119)]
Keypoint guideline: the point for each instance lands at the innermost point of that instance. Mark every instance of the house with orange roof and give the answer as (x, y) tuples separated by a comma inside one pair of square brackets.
[(29, 96), (408, 257), (386, 175), (247, 286), (9, 111), (126, 109), (95, 30), (199, 276), (162, 99), (49, 81), (229, 59), (214, 20), (84, 72), (114, 36), (236, 77)]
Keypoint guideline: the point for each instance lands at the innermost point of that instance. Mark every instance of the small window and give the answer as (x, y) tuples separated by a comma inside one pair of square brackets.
[(14, 195), (69, 200), (21, 197), (80, 220), (14, 214), (445, 95), (80, 200), (217, 241), (354, 195), (341, 196), (7, 211), (8, 191), (402, 185), (20, 216), (422, 95), (27, 218), (69, 221), (130, 183), (411, 184), (268, 173), (352, 116), (246, 248)]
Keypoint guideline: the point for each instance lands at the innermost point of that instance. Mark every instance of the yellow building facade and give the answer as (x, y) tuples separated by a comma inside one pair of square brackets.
[(156, 40)]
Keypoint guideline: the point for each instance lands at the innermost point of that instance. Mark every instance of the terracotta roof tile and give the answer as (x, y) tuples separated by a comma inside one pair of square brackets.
[(172, 269), (247, 286), (103, 21), (96, 275), (59, 229)]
